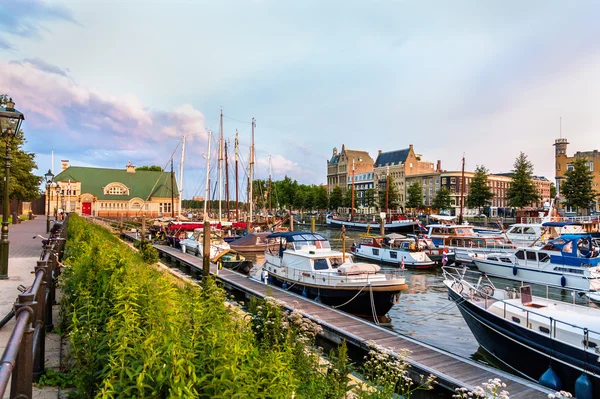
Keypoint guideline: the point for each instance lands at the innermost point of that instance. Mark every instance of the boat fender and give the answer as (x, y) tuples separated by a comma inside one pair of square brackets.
[(563, 281), (264, 277), (304, 294), (318, 299), (583, 387), (284, 286), (551, 380), (515, 270)]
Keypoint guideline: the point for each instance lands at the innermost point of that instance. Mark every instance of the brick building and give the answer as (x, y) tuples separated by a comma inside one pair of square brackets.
[(339, 167)]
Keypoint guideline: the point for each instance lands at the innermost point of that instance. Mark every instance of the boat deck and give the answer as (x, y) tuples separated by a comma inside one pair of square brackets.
[(451, 371)]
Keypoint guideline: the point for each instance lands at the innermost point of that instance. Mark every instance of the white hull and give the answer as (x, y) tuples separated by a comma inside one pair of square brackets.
[(541, 273), (468, 255), (395, 225), (394, 256)]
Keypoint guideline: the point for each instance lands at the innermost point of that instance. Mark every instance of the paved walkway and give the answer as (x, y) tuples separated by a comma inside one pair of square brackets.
[(24, 252)]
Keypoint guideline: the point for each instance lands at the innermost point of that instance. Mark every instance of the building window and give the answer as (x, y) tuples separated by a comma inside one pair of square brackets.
[(570, 166), (591, 164), (453, 180), (165, 207)]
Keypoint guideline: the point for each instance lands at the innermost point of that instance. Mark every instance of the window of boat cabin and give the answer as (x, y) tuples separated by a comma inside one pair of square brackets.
[(393, 254), (528, 230), (335, 262), (375, 251), (543, 257), (520, 254), (321, 264), (531, 256), (516, 230)]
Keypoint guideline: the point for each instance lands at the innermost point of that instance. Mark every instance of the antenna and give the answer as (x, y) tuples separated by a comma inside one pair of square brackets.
[(560, 127)]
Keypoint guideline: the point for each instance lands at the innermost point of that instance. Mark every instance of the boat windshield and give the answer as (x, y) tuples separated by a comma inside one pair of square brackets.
[(318, 244), (336, 261)]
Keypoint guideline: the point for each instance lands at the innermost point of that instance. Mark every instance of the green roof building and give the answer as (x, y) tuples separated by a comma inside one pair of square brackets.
[(114, 192)]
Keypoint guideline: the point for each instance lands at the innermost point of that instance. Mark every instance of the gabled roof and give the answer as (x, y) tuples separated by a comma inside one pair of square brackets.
[(142, 184), (335, 159), (356, 154), (392, 157)]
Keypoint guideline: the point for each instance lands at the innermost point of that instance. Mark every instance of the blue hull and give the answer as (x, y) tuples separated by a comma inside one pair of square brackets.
[(526, 351)]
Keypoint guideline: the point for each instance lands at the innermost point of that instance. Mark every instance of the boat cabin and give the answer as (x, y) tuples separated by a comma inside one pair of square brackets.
[(575, 250)]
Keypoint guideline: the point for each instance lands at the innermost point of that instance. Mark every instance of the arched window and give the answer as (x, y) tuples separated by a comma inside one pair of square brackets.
[(116, 189)]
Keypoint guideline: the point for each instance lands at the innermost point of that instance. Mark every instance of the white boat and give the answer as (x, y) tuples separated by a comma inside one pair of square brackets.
[(193, 244), (395, 226), (554, 342), (396, 250), (306, 264), (528, 234), (569, 261)]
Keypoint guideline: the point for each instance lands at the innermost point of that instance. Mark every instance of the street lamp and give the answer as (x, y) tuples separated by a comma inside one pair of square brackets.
[(57, 197), (49, 177), (10, 124)]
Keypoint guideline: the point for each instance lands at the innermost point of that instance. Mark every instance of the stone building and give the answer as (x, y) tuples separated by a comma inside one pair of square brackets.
[(430, 185), (113, 192), (339, 167), (362, 183), (398, 165), (563, 163)]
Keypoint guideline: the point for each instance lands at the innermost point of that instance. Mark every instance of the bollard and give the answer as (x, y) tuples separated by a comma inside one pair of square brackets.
[(291, 221), (206, 250), (22, 376)]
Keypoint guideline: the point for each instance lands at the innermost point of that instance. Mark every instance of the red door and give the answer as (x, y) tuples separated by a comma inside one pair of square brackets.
[(86, 208)]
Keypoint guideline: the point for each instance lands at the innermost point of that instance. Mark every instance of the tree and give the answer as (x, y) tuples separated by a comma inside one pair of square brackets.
[(153, 168), (392, 196), (552, 190), (368, 198), (522, 191), (335, 199), (321, 197), (23, 184), (442, 200), (347, 199), (414, 196), (480, 194), (577, 187)]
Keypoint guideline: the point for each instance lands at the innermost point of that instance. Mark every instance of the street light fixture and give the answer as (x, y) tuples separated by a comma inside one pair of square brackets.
[(10, 124), (49, 177)]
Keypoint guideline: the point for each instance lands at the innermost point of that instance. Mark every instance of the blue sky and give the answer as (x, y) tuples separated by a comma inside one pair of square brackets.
[(106, 82)]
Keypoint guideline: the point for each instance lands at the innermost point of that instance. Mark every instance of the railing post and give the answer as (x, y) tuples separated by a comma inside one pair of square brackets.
[(50, 270), (41, 315), (22, 376)]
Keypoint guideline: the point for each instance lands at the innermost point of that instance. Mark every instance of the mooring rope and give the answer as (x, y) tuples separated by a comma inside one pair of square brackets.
[(351, 299)]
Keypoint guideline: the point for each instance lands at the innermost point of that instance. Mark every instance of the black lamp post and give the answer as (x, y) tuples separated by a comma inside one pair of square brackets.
[(10, 124), (57, 197), (49, 177)]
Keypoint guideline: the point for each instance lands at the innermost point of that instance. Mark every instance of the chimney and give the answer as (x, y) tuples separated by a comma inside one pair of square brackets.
[(130, 168), (410, 147), (64, 163), (379, 152), (439, 166)]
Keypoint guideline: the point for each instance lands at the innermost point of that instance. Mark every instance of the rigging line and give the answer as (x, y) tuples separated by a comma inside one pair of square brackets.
[(237, 120), (159, 177)]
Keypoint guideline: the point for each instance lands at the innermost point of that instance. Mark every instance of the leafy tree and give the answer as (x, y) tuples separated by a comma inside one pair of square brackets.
[(414, 196), (368, 198), (480, 194), (286, 191), (347, 199), (23, 184), (393, 197), (442, 200), (522, 191), (336, 198), (552, 190), (153, 168), (321, 197), (577, 187)]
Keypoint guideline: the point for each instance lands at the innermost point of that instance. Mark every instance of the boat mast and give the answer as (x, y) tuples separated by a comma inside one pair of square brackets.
[(270, 185), (387, 190), (206, 193), (352, 210), (462, 191), (226, 183), (237, 158), (220, 161), (181, 176), (250, 180), (172, 190)]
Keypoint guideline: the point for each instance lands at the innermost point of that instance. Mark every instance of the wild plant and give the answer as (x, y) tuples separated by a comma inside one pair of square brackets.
[(491, 389)]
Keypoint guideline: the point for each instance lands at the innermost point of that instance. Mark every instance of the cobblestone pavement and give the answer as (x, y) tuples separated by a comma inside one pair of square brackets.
[(24, 251)]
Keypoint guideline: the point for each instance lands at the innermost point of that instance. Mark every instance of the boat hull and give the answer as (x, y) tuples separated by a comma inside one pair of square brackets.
[(407, 263), (408, 226), (350, 300), (525, 350)]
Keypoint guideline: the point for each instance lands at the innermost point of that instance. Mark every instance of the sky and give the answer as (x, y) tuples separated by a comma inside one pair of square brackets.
[(102, 83)]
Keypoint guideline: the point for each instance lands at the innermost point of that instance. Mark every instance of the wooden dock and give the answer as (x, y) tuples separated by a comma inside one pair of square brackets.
[(451, 371)]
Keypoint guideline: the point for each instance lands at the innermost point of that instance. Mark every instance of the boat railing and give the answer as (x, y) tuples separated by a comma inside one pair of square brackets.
[(472, 284), (329, 277)]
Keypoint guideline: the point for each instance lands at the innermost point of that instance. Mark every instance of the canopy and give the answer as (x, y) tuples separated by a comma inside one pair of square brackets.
[(443, 217), (291, 236), (560, 224), (251, 239), (395, 236)]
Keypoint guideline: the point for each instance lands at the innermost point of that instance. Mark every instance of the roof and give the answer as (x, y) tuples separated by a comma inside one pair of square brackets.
[(335, 158), (142, 184), (357, 154), (392, 157), (291, 236)]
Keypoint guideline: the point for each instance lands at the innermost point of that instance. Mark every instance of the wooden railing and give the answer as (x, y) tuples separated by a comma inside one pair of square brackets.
[(25, 353)]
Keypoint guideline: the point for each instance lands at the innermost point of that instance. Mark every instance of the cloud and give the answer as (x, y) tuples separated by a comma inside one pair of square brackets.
[(88, 124), (24, 18), (280, 165)]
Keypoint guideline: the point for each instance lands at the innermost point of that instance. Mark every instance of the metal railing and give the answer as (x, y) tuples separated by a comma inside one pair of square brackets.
[(25, 353)]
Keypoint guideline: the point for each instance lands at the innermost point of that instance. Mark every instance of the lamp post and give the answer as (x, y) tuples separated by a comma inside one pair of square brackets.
[(10, 124), (49, 177), (57, 197)]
